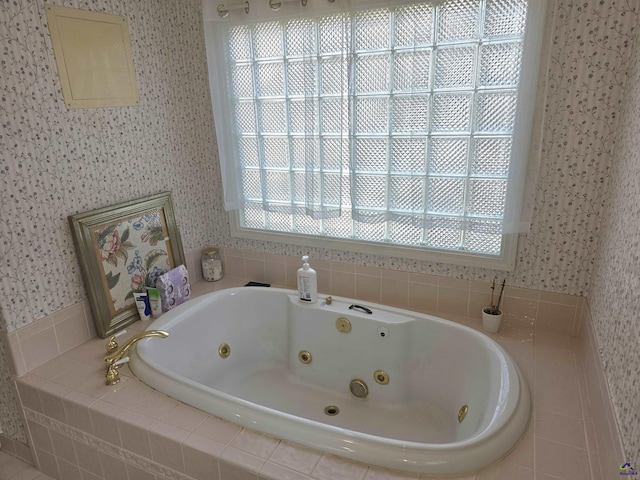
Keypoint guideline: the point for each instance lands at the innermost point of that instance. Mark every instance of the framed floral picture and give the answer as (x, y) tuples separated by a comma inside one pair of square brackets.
[(122, 249)]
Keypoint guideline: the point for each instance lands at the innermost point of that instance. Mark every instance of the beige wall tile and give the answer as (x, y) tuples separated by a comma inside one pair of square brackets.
[(561, 460), (331, 468), (518, 307), (112, 467), (163, 439), (88, 458), (72, 331), (254, 255), (47, 463), (39, 326), (127, 392), (272, 470), (67, 313), (254, 270), (518, 292), (522, 453), (423, 297), (343, 284), (394, 292), (343, 267), (477, 301), (233, 252), (275, 258), (219, 430), (40, 438), (365, 270), (51, 395), (453, 283), (254, 443), (368, 288), (155, 405), (17, 363), (22, 451), (77, 374), (560, 428), (275, 273), (424, 279), (479, 286), (560, 298), (63, 447), (137, 474), (453, 300), (76, 407), (239, 465), (185, 417), (102, 414), (39, 348), (295, 457), (317, 264), (555, 317), (200, 457), (292, 275), (555, 385), (134, 432), (398, 275), (234, 267), (504, 470), (324, 281), (375, 473)]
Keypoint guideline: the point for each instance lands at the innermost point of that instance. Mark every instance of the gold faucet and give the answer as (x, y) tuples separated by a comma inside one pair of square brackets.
[(113, 376)]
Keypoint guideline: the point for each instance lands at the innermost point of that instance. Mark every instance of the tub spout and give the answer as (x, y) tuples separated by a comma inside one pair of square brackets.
[(124, 349), (117, 358)]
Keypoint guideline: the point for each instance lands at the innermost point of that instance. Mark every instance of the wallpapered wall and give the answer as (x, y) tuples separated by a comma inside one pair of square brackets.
[(588, 55), (613, 298), (55, 162)]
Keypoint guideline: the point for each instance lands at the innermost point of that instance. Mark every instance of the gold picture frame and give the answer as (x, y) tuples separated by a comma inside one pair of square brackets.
[(121, 248)]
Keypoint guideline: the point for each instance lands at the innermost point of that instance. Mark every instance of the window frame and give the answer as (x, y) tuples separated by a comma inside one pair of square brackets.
[(527, 88)]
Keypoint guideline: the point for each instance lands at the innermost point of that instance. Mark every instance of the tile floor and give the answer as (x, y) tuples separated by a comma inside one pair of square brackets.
[(13, 469)]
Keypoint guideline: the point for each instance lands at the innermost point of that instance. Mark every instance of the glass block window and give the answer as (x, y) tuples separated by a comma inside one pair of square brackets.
[(390, 125)]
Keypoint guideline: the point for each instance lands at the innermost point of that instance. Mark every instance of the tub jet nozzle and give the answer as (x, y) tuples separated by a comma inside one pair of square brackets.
[(358, 388)]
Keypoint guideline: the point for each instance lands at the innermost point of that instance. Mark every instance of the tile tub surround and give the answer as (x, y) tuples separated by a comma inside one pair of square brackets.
[(604, 436), (425, 293), (41, 341), (81, 428)]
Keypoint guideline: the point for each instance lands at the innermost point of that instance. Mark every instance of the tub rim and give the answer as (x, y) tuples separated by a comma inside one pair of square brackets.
[(492, 442)]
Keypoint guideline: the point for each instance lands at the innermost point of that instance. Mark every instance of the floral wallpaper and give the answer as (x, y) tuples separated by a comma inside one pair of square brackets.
[(579, 96), (55, 162), (613, 298)]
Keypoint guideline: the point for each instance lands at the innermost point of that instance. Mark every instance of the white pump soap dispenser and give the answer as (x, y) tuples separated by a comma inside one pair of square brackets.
[(307, 282)]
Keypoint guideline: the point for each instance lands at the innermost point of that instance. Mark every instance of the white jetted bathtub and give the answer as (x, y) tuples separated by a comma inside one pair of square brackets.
[(399, 389)]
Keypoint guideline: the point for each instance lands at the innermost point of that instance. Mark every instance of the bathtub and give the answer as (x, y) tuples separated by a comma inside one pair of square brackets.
[(441, 398)]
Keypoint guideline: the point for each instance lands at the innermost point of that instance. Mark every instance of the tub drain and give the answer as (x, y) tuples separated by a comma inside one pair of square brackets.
[(331, 410)]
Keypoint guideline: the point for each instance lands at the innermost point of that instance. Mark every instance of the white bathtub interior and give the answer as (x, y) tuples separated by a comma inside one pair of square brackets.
[(434, 366)]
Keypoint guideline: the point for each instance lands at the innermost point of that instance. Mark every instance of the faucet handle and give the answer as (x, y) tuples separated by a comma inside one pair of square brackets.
[(113, 376), (112, 345)]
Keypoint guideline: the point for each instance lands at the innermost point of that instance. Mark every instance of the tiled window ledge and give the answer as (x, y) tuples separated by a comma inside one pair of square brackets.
[(55, 334)]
